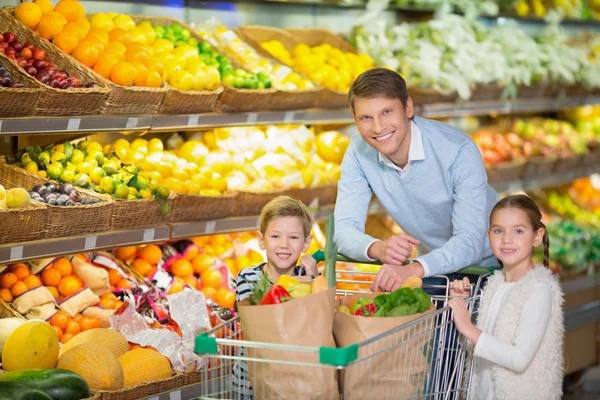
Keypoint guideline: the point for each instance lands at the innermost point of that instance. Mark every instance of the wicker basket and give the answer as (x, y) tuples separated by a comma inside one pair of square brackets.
[(535, 91), (194, 207), (539, 166), (429, 96), (18, 102), (128, 100), (242, 100), (491, 92), (62, 221), (129, 214), (73, 101), (190, 102), (568, 163), (578, 90), (143, 391), (507, 171), (6, 311), (324, 194), (592, 158), (248, 203)]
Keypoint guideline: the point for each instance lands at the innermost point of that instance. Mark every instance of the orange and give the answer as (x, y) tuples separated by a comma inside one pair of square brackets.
[(78, 317), (86, 324), (105, 64), (113, 276), (116, 49), (191, 252), (53, 290), (126, 253), (99, 35), (50, 26), (155, 65), (209, 293), (119, 35), (151, 253), (108, 295), (78, 279), (118, 304), (59, 320), (154, 79), (75, 29), (123, 74), (86, 52), (59, 15), (202, 262), (8, 280), (142, 73), (6, 295), (51, 277), (21, 272), (211, 278), (29, 14), (68, 286), (32, 281), (73, 328), (63, 266), (45, 6), (107, 303), (137, 52), (72, 10), (191, 281), (124, 284), (81, 257), (96, 323), (65, 41), (58, 331), (141, 266), (181, 268), (176, 287), (225, 298), (66, 337)]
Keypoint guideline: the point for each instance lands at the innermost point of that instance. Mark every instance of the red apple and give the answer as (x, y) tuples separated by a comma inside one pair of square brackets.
[(40, 64), (43, 78), (18, 47), (61, 74), (39, 54), (29, 46), (31, 71), (9, 36), (22, 62), (4, 45)]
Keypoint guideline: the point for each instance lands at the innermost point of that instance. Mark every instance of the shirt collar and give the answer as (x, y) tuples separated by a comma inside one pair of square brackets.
[(415, 150)]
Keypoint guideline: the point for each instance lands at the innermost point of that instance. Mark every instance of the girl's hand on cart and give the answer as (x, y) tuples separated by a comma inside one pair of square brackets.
[(462, 320), (460, 288)]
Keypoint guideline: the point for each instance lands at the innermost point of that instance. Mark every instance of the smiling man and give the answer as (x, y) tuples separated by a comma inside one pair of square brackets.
[(429, 177)]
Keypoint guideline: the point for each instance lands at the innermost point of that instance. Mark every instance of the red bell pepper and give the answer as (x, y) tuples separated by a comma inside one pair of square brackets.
[(276, 295), (366, 310)]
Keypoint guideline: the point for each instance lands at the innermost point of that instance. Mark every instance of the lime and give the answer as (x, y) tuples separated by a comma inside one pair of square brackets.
[(97, 174), (229, 80), (44, 158), (54, 170), (107, 184), (71, 167), (58, 156), (131, 197), (121, 191), (170, 37), (205, 47), (192, 42), (160, 31), (145, 194), (260, 85), (185, 33), (67, 176), (82, 180), (180, 43), (162, 192), (176, 28), (31, 166), (77, 156), (263, 77), (133, 191), (239, 82), (25, 158)]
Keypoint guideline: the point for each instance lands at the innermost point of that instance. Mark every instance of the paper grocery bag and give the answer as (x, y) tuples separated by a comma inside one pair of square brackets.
[(306, 321), (396, 366)]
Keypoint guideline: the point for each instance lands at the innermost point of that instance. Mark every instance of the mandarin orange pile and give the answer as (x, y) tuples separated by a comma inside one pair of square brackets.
[(66, 326), (16, 280), (60, 279), (109, 301), (142, 260)]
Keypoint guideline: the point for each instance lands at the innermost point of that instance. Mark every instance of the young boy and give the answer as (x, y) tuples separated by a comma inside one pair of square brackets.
[(285, 225)]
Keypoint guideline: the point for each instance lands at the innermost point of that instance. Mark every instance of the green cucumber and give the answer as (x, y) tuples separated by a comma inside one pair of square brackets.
[(21, 391), (58, 384)]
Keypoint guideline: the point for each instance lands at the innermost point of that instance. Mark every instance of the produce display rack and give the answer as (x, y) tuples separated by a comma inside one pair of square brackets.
[(141, 123)]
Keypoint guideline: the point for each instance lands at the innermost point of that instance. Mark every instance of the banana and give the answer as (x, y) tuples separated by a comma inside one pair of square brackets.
[(298, 294), (301, 287)]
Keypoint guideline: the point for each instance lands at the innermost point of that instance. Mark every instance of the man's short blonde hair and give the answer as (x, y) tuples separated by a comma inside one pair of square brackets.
[(285, 206)]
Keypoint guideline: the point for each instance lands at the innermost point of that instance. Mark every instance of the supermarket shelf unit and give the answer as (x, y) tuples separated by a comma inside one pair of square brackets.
[(144, 123)]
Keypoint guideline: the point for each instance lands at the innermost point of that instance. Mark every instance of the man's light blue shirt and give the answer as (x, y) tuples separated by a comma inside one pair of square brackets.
[(441, 197)]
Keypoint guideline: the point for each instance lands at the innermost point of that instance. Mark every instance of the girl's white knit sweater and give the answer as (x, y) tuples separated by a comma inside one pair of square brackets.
[(542, 379)]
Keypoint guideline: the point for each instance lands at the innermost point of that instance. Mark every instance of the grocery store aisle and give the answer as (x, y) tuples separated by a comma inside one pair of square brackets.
[(588, 387)]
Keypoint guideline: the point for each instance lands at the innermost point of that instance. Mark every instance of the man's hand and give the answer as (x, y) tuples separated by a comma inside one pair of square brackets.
[(462, 320), (391, 277), (396, 250)]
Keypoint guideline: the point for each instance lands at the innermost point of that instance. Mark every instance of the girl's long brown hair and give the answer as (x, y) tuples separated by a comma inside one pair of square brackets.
[(527, 205)]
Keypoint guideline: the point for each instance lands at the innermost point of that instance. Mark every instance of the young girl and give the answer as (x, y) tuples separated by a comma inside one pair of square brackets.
[(519, 334)]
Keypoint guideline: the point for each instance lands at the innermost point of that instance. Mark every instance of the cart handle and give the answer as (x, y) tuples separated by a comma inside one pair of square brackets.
[(319, 256)]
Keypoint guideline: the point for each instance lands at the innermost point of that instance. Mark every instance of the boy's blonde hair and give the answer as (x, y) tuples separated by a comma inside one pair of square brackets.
[(285, 206)]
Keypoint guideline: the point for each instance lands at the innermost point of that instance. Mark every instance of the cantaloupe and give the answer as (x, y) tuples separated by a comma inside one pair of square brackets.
[(107, 338), (32, 345), (8, 326), (143, 366), (97, 365)]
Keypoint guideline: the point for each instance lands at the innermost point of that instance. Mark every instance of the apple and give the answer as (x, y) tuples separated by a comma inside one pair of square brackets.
[(75, 81), (91, 85), (1, 37), (4, 45), (31, 71), (29, 46), (18, 47), (39, 54), (43, 78), (22, 62), (40, 64), (61, 74), (26, 53), (9, 36), (4, 81)]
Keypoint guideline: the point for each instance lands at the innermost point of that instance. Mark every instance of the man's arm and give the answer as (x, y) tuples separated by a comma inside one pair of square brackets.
[(351, 207), (469, 216)]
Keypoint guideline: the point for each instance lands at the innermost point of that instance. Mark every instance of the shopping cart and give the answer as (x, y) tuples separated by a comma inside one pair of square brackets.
[(423, 359)]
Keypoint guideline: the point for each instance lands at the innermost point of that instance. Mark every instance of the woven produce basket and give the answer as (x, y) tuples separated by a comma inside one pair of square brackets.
[(535, 91), (23, 224), (539, 166), (18, 102), (491, 92), (139, 213), (506, 171), (73, 101), (252, 203), (592, 158), (567, 163), (421, 96), (243, 100), (324, 194), (6, 311), (143, 391), (190, 102), (65, 221), (195, 207)]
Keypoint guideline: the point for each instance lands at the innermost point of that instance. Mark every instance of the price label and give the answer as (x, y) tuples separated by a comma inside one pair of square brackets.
[(210, 227), (282, 72), (252, 118), (1, 125), (288, 117), (16, 253), (148, 235), (175, 395), (90, 242), (73, 124), (193, 120), (230, 36), (131, 123)]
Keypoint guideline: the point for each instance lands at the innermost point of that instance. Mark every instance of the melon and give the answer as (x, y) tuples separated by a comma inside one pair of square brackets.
[(32, 345), (107, 338), (7, 326), (97, 365), (143, 366)]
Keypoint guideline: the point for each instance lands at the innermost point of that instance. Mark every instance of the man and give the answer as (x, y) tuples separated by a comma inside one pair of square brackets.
[(429, 177)]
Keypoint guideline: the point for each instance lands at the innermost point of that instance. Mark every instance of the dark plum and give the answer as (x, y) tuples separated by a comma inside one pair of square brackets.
[(66, 188), (53, 202), (18, 47), (16, 85), (9, 36), (51, 186), (40, 64), (31, 71), (38, 188)]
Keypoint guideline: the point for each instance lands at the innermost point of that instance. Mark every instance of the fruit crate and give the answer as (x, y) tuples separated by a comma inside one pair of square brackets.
[(178, 101), (52, 101), (491, 92), (195, 207), (64, 221), (143, 391), (539, 166), (506, 171), (18, 102), (129, 214), (534, 91), (567, 163)]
